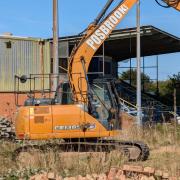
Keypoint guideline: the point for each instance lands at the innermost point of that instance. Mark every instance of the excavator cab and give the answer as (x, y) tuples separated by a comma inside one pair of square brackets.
[(107, 105), (103, 99), (63, 94)]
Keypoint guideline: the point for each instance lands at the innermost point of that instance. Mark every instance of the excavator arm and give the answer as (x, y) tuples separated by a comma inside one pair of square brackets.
[(94, 37), (172, 3)]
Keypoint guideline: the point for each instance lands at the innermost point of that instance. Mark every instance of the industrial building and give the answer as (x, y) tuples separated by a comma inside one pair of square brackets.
[(120, 46), (27, 56), (18, 56)]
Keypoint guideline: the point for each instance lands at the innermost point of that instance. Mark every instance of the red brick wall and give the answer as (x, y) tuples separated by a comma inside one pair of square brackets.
[(127, 121), (7, 104)]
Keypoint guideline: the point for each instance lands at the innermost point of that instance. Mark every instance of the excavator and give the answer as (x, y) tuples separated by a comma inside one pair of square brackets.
[(87, 121)]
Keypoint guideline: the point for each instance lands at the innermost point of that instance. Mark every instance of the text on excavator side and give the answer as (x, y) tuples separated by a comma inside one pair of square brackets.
[(104, 30)]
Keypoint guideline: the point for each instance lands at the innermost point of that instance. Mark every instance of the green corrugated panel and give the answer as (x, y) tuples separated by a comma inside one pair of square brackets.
[(23, 58)]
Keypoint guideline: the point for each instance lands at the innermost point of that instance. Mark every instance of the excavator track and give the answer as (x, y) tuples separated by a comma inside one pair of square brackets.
[(134, 151)]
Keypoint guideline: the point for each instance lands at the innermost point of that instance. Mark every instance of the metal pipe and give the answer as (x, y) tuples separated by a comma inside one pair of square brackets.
[(175, 105), (41, 43), (130, 63), (55, 43), (143, 75), (157, 75), (139, 110), (103, 11), (103, 62), (130, 74)]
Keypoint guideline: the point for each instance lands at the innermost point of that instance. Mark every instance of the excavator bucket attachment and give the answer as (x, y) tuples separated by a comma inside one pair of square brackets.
[(173, 3)]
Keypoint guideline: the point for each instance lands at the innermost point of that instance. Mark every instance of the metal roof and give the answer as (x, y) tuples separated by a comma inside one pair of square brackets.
[(121, 44), (12, 37)]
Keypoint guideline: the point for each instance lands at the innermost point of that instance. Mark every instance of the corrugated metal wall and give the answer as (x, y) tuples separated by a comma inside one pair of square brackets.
[(21, 56)]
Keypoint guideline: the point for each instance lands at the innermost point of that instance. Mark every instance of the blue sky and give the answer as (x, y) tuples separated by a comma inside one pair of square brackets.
[(33, 18)]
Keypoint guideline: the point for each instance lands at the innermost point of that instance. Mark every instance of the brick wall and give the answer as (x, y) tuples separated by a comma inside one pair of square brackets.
[(127, 121), (7, 104)]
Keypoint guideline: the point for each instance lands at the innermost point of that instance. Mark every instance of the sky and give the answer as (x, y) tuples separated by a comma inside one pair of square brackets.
[(33, 18)]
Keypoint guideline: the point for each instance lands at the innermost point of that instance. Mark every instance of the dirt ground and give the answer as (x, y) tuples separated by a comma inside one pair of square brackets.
[(163, 140)]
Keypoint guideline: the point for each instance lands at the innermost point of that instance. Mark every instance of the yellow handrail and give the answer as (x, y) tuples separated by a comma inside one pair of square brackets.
[(128, 103)]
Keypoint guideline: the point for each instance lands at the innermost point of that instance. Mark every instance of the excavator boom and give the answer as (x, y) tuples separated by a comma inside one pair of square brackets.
[(94, 37), (173, 3), (92, 40)]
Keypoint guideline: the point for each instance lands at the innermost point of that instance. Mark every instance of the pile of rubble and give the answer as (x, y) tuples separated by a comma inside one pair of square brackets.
[(127, 172), (7, 130)]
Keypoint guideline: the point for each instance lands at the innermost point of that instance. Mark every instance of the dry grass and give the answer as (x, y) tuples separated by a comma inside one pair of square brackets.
[(164, 143), (163, 140)]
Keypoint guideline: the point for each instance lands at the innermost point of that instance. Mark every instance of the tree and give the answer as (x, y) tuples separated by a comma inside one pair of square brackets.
[(166, 89), (175, 79), (130, 75)]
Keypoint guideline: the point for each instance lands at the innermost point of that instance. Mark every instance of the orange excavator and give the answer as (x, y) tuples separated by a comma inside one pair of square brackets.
[(88, 119)]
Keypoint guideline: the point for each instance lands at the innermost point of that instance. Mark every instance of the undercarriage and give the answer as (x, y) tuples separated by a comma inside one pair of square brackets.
[(131, 150)]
